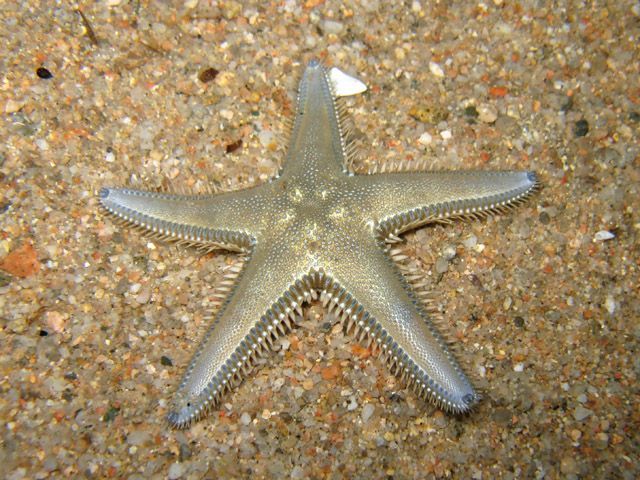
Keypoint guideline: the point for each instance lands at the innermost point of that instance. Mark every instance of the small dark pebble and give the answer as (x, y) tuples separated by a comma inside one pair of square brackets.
[(473, 318), (232, 147), (4, 206), (44, 73), (67, 395), (140, 261), (634, 116), (581, 128), (471, 112), (476, 282), (396, 397), (166, 361), (5, 279), (43, 333), (111, 414), (326, 327), (71, 376), (286, 417), (544, 218), (208, 74), (518, 322)]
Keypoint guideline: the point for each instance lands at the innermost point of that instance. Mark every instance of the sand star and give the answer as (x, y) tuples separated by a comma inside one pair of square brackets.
[(318, 229)]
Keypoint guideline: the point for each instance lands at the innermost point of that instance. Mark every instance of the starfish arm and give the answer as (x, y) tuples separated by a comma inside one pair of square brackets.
[(318, 138), (376, 301), (402, 201), (205, 221), (262, 305)]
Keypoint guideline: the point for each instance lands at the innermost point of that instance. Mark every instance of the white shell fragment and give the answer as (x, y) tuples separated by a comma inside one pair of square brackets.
[(603, 235), (345, 85)]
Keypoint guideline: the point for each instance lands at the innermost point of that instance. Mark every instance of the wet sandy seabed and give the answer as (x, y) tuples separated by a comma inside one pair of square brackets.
[(99, 322)]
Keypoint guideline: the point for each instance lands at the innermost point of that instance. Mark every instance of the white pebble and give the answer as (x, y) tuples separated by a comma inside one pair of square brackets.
[(55, 321), (487, 113), (479, 248), (42, 144), (226, 114), (12, 106), (436, 69), (506, 305), (610, 304), (449, 252), (245, 419), (446, 134), (266, 137), (603, 235), (425, 139), (331, 26), (176, 470), (518, 367)]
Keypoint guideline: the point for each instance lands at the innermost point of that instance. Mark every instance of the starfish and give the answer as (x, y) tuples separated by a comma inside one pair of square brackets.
[(319, 230)]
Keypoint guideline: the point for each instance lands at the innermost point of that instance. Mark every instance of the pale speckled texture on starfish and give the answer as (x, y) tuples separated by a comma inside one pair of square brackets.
[(319, 228)]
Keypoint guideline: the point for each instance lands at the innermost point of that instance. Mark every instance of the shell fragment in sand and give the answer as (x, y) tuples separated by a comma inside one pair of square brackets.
[(345, 85)]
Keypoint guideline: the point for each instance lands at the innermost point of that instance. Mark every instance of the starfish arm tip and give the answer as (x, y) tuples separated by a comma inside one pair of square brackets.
[(103, 193), (532, 177), (470, 399), (177, 421)]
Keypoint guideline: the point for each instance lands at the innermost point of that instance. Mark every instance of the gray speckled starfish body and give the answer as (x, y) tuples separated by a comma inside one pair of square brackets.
[(319, 228)]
